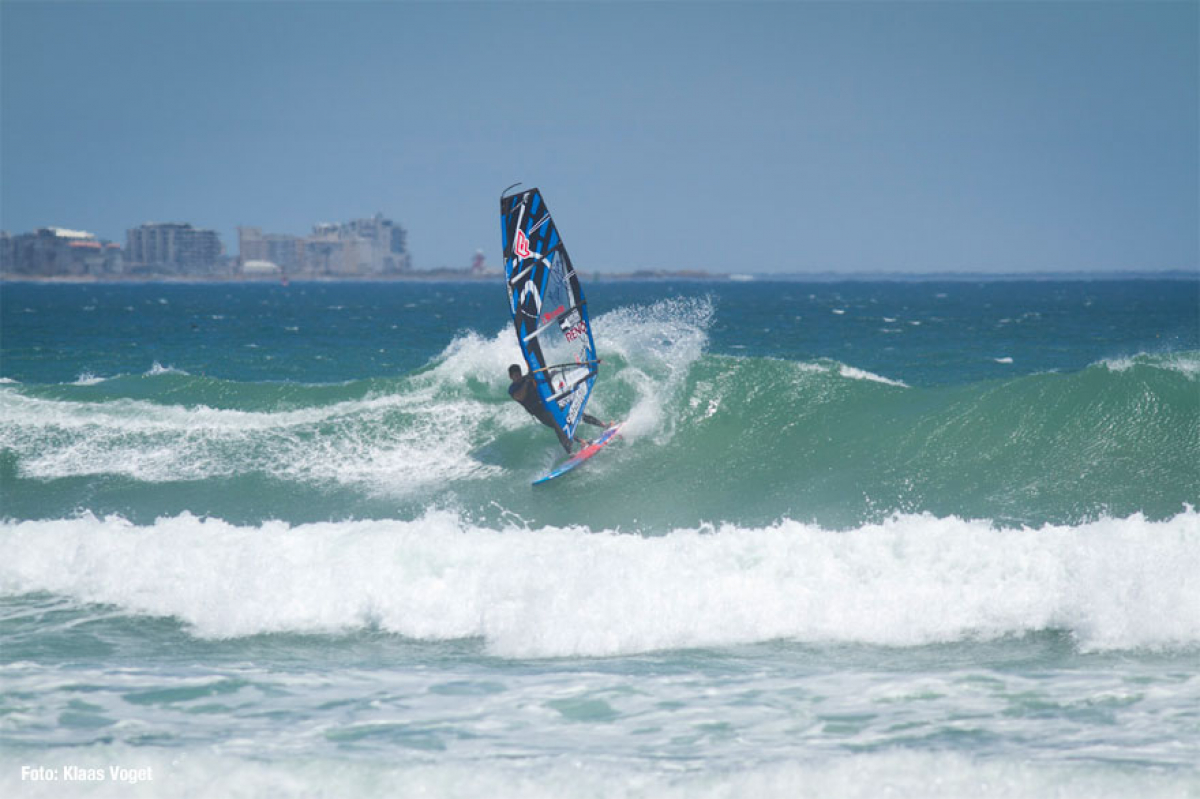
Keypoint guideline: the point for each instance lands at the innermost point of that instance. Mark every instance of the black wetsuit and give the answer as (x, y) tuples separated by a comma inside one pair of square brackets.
[(526, 388)]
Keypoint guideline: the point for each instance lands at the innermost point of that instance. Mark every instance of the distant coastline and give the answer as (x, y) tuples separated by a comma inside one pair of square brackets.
[(465, 276)]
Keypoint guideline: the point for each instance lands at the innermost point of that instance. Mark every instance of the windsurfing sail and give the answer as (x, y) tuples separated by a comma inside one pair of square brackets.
[(548, 308)]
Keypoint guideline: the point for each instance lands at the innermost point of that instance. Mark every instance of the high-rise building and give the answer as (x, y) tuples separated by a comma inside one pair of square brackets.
[(382, 243), (286, 252), (58, 252), (360, 248), (7, 258), (172, 248)]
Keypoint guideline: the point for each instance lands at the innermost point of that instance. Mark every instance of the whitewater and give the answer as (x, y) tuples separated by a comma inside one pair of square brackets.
[(858, 539)]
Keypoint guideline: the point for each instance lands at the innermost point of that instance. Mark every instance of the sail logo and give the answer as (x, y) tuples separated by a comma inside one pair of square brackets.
[(521, 246), (575, 331)]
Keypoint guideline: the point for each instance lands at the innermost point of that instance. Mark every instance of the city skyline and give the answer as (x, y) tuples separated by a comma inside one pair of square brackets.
[(802, 137), (368, 247)]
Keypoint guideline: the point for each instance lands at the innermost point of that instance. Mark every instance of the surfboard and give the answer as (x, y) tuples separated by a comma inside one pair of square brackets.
[(580, 456)]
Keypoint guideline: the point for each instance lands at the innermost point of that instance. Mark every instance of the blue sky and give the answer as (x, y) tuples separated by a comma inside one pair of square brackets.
[(743, 137)]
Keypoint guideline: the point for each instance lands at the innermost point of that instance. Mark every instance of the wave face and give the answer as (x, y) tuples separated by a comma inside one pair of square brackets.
[(710, 437)]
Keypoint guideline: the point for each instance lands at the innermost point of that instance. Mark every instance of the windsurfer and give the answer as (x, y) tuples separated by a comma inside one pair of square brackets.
[(523, 389)]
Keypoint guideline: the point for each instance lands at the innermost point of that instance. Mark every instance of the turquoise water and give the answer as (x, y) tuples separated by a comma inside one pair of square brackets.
[(860, 538)]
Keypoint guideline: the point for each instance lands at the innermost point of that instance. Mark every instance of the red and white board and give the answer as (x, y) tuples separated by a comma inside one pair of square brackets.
[(580, 456)]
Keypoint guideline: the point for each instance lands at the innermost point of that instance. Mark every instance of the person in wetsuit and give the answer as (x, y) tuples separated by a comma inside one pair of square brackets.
[(523, 389)]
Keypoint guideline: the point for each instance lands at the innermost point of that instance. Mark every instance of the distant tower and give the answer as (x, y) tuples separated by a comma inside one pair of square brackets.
[(478, 265)]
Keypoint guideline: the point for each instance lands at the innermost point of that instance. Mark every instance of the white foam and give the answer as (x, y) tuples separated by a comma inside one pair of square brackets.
[(356, 441), (854, 373), (1185, 363), (158, 369), (88, 379), (1006, 359), (912, 580), (1118, 364), (212, 772)]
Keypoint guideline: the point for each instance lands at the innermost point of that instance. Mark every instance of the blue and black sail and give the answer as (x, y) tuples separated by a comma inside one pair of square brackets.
[(548, 308)]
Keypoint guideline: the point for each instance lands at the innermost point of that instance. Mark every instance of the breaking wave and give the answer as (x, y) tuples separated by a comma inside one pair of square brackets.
[(569, 591)]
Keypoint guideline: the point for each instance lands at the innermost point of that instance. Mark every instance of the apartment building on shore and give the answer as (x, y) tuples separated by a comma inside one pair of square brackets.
[(59, 252), (172, 248), (373, 247)]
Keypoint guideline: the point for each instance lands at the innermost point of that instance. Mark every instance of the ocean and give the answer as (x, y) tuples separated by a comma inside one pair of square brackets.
[(930, 539)]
